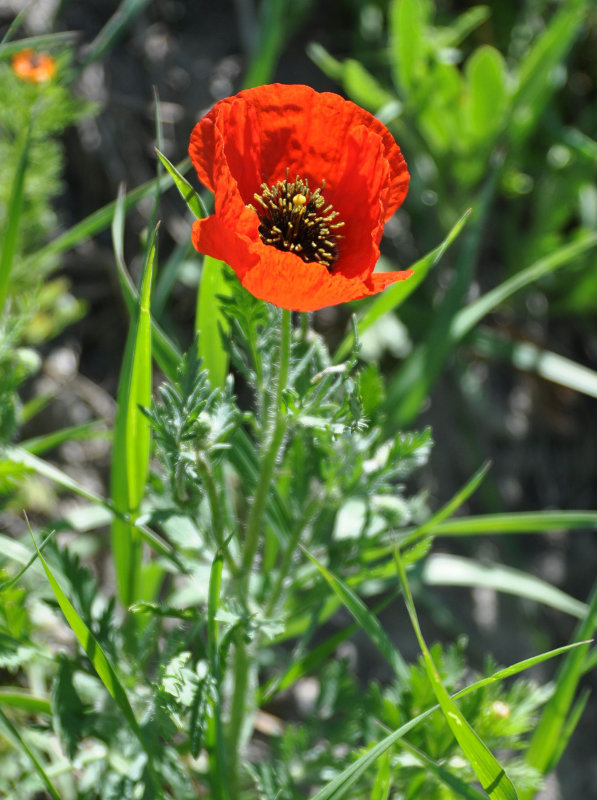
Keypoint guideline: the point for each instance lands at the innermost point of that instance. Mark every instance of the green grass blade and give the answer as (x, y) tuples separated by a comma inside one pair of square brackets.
[(396, 294), (449, 508), (456, 784), (343, 782), (272, 27), (96, 655), (17, 698), (518, 522), (15, 25), (210, 321), (530, 358), (40, 42), (536, 73), (29, 462), (113, 29), (130, 457), (443, 569), (545, 742), (366, 619), (166, 353), (29, 563), (13, 734), (101, 219), (187, 192), (13, 216), (469, 316), (48, 441), (489, 771)]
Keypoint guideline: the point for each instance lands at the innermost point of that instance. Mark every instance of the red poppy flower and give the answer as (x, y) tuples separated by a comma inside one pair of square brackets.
[(303, 182), (34, 67)]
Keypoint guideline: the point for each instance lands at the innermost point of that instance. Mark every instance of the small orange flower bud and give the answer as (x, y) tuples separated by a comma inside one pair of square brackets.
[(34, 67)]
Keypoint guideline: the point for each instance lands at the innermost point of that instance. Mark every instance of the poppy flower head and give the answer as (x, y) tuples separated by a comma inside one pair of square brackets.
[(33, 67), (303, 182)]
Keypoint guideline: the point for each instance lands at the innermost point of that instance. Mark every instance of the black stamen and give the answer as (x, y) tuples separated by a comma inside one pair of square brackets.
[(296, 219)]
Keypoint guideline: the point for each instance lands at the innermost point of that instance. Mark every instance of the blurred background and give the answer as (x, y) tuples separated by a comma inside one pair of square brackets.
[(495, 108)]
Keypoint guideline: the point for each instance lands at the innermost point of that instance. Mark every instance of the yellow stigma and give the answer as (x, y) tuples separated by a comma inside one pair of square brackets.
[(299, 200)]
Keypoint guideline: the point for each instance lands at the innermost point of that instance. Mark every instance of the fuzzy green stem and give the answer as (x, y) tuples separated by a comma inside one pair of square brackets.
[(270, 452)]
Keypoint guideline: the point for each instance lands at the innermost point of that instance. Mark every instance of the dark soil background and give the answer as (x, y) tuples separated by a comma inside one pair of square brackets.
[(540, 437)]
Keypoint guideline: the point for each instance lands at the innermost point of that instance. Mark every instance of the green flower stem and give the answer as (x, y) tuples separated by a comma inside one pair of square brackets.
[(216, 512), (270, 453)]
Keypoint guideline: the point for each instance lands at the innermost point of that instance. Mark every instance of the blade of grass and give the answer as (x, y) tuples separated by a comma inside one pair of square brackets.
[(84, 432), (270, 40), (187, 192), (442, 569), (7, 584), (31, 463), (396, 294), (40, 42), (130, 456), (341, 784), (16, 698), (14, 26), (113, 29), (519, 522), (366, 619), (544, 748), (449, 508), (167, 354), (95, 653), (13, 216), (100, 220), (443, 775), (14, 735), (489, 771), (210, 321), (530, 358)]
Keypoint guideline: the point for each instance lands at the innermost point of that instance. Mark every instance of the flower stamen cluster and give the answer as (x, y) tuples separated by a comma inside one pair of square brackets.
[(296, 219)]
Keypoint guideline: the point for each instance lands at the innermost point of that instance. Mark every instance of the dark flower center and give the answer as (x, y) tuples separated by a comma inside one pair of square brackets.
[(296, 219)]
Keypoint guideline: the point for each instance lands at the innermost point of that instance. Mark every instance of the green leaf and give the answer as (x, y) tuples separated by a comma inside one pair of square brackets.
[(13, 734), (517, 522), (13, 215), (397, 293), (443, 569), (96, 655), (31, 704), (537, 72), (368, 621), (113, 29), (210, 321), (187, 192), (486, 101), (41, 42), (408, 48), (545, 746), (489, 771), (341, 784), (130, 456)]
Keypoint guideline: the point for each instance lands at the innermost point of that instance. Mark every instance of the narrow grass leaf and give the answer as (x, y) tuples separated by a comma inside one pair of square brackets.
[(343, 782), (31, 704), (544, 748), (517, 522), (165, 351), (113, 29), (14, 26), (456, 784), (469, 316), (489, 771), (210, 321), (366, 619), (12, 734), (96, 655), (101, 219), (396, 294), (130, 456), (273, 24), (530, 358), (442, 569), (13, 215), (187, 192), (30, 463), (40, 42), (7, 584), (84, 432), (449, 508)]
